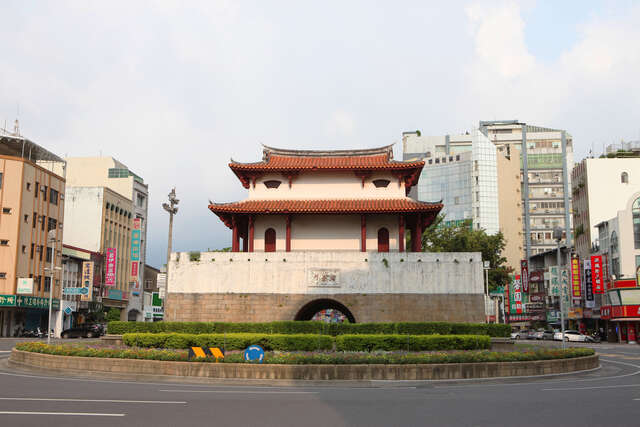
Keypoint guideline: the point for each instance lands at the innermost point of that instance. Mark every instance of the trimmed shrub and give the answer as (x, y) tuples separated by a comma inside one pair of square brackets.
[(232, 341), (312, 358), (411, 342), (293, 327)]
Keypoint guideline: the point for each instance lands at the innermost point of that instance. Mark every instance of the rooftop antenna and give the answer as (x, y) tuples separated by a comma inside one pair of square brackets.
[(16, 128)]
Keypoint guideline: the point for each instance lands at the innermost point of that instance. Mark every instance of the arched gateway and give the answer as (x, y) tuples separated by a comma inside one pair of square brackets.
[(319, 227), (311, 309)]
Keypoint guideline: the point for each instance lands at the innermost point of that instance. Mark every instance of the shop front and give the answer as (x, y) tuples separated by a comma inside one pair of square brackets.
[(623, 322)]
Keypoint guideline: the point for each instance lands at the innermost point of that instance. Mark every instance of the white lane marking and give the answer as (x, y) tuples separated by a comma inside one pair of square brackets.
[(39, 399), (87, 414), (591, 388), (240, 391)]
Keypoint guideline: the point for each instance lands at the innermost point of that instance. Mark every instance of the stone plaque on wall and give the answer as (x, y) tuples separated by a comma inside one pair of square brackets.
[(324, 278)]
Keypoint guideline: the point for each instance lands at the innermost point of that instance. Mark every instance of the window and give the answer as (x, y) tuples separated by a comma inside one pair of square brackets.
[(28, 186), (0, 180), (37, 190), (635, 210), (35, 219), (53, 196), (47, 283), (118, 173), (49, 252), (624, 178), (272, 183), (380, 183), (42, 222), (4, 242), (383, 240), (44, 193), (140, 200), (24, 249), (26, 219), (3, 275), (6, 210), (32, 249), (40, 247), (52, 224), (270, 240)]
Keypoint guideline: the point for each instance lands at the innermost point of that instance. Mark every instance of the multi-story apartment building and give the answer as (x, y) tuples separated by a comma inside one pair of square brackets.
[(102, 222), (601, 188), (109, 172), (548, 206), (31, 224), (481, 185)]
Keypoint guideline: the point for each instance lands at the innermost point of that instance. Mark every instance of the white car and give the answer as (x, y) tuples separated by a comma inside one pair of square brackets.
[(570, 335)]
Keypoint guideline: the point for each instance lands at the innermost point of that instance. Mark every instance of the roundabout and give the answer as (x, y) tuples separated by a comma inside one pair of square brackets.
[(152, 401)]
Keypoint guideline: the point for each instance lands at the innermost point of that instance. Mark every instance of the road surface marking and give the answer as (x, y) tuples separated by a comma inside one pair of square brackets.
[(240, 391), (90, 400), (591, 388), (87, 414)]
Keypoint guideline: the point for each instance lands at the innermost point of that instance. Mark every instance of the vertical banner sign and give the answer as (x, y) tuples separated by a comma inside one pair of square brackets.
[(517, 295), (554, 280), (575, 277), (110, 275), (524, 269), (596, 274), (135, 240), (87, 280), (588, 285)]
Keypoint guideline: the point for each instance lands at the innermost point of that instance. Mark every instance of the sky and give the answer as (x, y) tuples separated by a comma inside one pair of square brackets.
[(175, 89)]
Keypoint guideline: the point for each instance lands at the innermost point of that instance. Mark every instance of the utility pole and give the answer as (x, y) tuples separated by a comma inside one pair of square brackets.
[(51, 238), (173, 210), (557, 235)]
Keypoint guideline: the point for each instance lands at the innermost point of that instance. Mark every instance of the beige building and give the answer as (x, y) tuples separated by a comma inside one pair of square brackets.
[(32, 206), (102, 219), (109, 172), (601, 188)]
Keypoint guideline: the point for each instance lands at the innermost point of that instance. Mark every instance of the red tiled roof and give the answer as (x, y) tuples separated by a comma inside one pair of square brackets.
[(286, 163), (326, 206), (345, 206)]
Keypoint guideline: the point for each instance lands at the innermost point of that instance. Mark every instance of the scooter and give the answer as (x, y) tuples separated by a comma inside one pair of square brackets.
[(594, 337)]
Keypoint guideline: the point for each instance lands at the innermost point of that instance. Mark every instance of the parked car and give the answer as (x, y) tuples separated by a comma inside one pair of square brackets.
[(548, 335), (537, 335), (520, 335), (570, 335), (85, 330)]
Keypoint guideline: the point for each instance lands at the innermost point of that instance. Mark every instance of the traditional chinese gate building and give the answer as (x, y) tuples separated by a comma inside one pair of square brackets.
[(326, 229)]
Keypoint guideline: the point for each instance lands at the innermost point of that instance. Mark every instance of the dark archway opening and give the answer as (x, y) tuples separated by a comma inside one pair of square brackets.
[(383, 240), (315, 307), (270, 240)]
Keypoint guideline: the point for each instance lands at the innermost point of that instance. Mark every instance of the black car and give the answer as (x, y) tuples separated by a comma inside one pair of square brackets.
[(85, 330)]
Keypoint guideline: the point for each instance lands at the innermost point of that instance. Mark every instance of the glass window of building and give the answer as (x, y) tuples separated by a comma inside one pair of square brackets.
[(636, 223)]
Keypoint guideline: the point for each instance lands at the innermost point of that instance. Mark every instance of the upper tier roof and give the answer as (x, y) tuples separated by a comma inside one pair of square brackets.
[(294, 161), (276, 159)]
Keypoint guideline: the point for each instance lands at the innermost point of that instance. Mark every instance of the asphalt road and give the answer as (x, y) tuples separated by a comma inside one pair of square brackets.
[(609, 396)]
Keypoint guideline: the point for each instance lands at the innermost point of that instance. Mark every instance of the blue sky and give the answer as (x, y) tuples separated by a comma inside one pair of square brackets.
[(175, 89)]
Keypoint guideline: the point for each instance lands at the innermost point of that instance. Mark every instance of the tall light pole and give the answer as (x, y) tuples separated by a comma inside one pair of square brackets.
[(173, 210), (557, 235), (51, 238)]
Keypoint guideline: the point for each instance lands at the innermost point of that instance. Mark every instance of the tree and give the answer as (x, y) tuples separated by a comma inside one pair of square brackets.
[(439, 237), (113, 314)]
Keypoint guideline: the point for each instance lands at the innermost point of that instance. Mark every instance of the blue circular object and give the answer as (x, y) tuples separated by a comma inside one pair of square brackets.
[(254, 353)]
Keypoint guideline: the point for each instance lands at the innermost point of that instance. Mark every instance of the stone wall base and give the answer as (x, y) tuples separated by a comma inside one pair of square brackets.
[(214, 307), (447, 371)]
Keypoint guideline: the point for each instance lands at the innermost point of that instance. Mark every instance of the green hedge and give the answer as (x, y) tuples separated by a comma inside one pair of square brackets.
[(280, 342), (411, 342), (309, 342), (313, 358), (334, 329)]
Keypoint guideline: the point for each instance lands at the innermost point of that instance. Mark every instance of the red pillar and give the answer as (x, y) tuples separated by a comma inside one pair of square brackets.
[(363, 233), (251, 232), (416, 237), (235, 243), (288, 246), (400, 233)]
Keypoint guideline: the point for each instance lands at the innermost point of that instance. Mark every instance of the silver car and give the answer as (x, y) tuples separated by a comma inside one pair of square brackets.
[(570, 335)]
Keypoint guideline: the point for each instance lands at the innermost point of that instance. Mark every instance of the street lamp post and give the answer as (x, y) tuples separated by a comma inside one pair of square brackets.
[(173, 210), (51, 238), (557, 235)]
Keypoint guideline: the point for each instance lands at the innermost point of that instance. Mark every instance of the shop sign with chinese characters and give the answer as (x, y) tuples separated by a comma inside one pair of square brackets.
[(575, 277), (7, 300), (87, 280), (516, 307), (596, 274), (110, 274), (37, 302), (588, 285)]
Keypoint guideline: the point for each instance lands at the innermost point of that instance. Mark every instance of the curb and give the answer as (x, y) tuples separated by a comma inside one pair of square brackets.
[(241, 371)]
